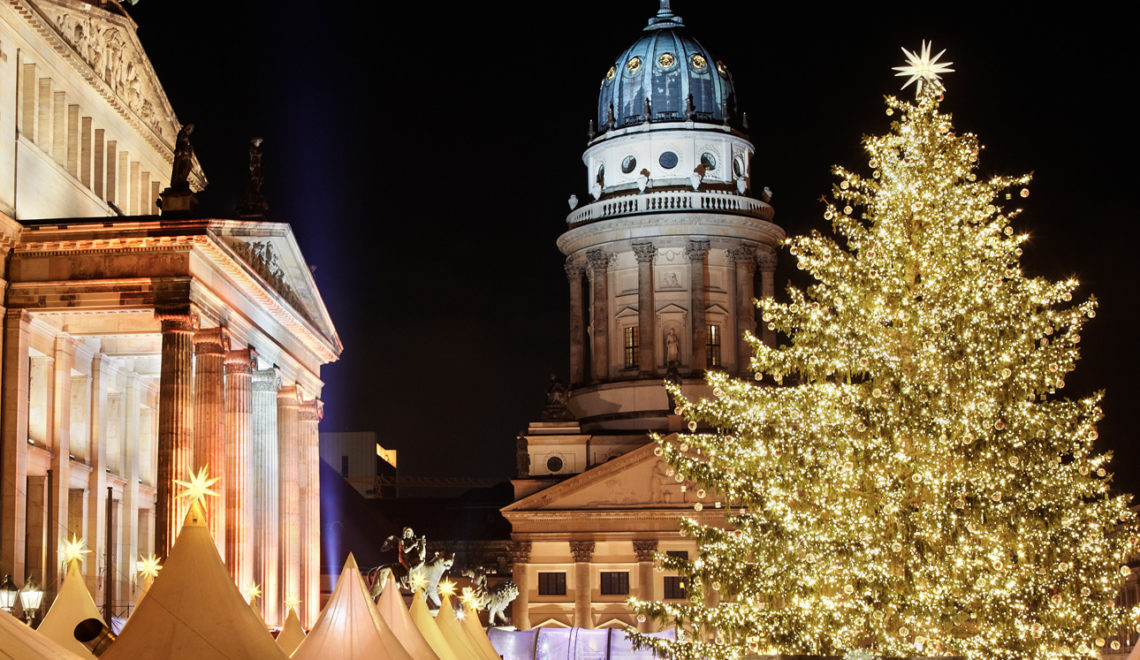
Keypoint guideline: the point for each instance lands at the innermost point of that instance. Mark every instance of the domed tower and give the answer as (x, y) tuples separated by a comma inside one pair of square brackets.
[(666, 257)]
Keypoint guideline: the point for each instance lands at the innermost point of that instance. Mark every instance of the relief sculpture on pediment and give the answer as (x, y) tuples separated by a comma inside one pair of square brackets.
[(262, 258)]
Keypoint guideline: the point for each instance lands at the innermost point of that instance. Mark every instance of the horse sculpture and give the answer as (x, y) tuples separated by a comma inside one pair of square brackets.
[(494, 600), (411, 553)]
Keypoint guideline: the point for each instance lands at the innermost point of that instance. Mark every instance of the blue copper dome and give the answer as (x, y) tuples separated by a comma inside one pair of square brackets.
[(665, 76)]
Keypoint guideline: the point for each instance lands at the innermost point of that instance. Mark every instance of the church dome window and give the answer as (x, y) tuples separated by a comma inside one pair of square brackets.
[(554, 464), (708, 161), (722, 68), (666, 61), (738, 166), (698, 61), (633, 65), (611, 73), (668, 160), (628, 164)]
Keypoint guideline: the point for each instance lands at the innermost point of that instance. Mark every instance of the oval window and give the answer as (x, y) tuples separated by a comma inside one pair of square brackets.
[(738, 166), (708, 161), (668, 160), (628, 164), (554, 464)]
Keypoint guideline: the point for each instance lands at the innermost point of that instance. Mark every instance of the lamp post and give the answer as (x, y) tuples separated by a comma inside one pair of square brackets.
[(8, 593), (31, 596)]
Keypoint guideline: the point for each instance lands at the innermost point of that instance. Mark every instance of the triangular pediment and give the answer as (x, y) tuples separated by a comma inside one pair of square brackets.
[(636, 480), (270, 251), (671, 308), (716, 309), (101, 42), (626, 312)]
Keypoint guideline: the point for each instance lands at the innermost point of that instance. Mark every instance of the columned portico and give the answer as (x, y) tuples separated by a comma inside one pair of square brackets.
[(288, 405), (175, 425), (309, 486), (697, 251), (583, 552), (210, 347), (599, 320), (646, 311), (644, 550), (744, 258), (266, 493), (520, 556), (575, 272), (239, 497)]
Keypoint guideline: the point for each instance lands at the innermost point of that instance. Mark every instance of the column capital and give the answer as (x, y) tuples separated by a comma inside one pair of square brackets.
[(644, 549), (520, 552), (744, 255), (582, 550), (266, 380), (211, 341), (240, 361), (574, 267), (599, 260), (696, 250), (312, 410), (288, 395), (766, 258), (177, 322), (644, 252)]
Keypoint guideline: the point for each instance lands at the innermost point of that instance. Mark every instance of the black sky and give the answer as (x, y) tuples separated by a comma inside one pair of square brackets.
[(424, 152)]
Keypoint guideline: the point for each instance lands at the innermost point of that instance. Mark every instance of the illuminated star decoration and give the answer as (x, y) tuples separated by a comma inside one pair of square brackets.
[(468, 598), (923, 69), (251, 592), (291, 603), (417, 580), (149, 567), (198, 487), (447, 588), (74, 550)]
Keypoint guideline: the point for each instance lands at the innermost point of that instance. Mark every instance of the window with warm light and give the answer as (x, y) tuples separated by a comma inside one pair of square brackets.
[(630, 342), (712, 346)]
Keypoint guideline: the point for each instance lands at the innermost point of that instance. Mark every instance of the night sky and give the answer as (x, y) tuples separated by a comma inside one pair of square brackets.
[(424, 152)]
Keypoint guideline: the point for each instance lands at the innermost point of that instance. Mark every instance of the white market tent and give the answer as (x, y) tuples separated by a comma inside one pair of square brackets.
[(292, 634), (425, 623), (72, 605), (392, 611), (19, 642), (193, 610), (453, 632), (349, 626), (475, 632)]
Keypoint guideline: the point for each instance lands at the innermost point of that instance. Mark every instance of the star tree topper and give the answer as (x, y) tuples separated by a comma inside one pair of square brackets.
[(149, 567), (923, 69), (74, 550), (198, 487), (251, 592)]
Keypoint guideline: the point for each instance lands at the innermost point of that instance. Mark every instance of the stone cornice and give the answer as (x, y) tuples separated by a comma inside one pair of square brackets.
[(579, 481), (642, 227)]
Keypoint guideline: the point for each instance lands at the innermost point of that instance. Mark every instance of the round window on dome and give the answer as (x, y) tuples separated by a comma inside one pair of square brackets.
[(738, 166), (708, 161), (668, 160), (633, 65), (698, 61), (628, 164), (611, 73), (666, 61), (722, 68), (554, 464)]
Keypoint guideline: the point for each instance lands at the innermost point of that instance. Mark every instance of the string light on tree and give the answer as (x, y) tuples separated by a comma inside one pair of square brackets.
[(920, 487)]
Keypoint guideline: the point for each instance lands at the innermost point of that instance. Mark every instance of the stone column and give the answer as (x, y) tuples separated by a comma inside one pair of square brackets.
[(696, 251), (175, 426), (646, 310), (310, 492), (644, 550), (744, 257), (600, 319), (766, 257), (60, 495), (289, 458), (583, 552), (129, 542), (238, 498), (266, 499), (520, 608), (210, 422), (14, 459), (101, 378), (574, 271)]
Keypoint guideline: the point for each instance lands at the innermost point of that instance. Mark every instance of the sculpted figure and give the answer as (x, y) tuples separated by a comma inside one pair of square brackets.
[(672, 347), (183, 159), (411, 551)]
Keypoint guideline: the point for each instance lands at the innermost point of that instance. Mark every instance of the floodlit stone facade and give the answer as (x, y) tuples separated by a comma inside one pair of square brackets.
[(136, 346)]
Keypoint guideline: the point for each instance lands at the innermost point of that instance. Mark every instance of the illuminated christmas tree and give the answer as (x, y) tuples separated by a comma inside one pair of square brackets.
[(908, 480)]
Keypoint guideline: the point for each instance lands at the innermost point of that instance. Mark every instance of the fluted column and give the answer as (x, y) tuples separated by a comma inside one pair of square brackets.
[(310, 491), (175, 426), (520, 608), (744, 257), (210, 421), (696, 251), (239, 498), (14, 453), (766, 257), (646, 310), (644, 551), (583, 552), (266, 500), (599, 266), (288, 455), (575, 269)]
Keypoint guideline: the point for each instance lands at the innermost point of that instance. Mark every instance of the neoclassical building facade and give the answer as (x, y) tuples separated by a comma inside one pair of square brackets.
[(664, 262), (138, 345)]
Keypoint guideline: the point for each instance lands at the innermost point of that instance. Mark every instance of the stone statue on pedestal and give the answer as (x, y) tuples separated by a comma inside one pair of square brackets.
[(183, 160), (252, 203)]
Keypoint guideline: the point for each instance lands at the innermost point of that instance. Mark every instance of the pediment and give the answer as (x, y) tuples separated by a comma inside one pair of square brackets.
[(716, 308), (271, 252), (102, 43), (635, 480), (626, 312), (671, 308)]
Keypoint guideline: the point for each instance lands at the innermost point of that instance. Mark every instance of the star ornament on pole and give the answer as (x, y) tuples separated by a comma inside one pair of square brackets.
[(198, 486), (446, 588), (469, 600), (74, 550), (251, 592), (149, 567), (292, 603), (924, 70)]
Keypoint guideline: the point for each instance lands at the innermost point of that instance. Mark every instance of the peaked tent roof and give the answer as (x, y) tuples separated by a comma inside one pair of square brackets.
[(453, 632), (421, 616), (72, 605), (194, 610), (22, 643), (292, 634), (349, 626), (392, 611), (475, 632)]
